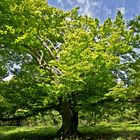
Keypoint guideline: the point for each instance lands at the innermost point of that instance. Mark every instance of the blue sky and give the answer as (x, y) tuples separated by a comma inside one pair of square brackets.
[(101, 8)]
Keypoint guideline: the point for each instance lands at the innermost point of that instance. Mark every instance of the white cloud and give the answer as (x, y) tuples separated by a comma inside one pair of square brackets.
[(84, 7), (122, 10), (95, 4), (8, 78), (59, 1), (81, 1), (95, 7), (88, 7), (92, 8), (107, 11)]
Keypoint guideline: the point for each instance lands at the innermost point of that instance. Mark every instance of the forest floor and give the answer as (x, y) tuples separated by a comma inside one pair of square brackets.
[(118, 131)]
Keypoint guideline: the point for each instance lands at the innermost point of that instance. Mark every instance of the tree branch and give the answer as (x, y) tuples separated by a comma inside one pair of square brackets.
[(112, 100), (33, 112), (45, 45), (38, 58)]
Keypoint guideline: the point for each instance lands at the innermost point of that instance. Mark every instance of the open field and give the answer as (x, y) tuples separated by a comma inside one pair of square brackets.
[(101, 132)]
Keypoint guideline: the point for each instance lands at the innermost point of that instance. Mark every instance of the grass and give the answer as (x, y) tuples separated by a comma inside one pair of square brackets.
[(118, 131), (111, 131), (27, 133)]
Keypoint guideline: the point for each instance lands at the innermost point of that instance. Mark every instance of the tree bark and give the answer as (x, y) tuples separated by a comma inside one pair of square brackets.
[(69, 120)]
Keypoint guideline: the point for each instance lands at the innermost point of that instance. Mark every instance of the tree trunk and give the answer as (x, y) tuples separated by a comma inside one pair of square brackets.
[(17, 122), (69, 120)]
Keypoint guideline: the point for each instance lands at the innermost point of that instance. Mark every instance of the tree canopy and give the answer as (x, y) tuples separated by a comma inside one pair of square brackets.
[(62, 59)]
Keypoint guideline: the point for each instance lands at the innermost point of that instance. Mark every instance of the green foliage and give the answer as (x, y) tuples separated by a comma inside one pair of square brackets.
[(23, 93), (64, 56)]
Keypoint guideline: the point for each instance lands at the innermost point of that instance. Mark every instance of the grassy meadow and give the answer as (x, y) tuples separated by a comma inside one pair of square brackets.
[(103, 131)]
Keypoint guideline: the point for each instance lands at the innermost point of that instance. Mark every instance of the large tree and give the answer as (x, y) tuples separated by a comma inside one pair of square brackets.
[(81, 60)]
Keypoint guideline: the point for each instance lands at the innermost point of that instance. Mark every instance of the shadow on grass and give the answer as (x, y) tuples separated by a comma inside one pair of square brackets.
[(31, 134), (86, 133), (108, 133)]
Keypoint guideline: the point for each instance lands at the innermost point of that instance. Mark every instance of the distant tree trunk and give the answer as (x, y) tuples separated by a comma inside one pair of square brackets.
[(55, 122), (35, 121), (11, 123), (69, 120), (43, 119), (18, 122)]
